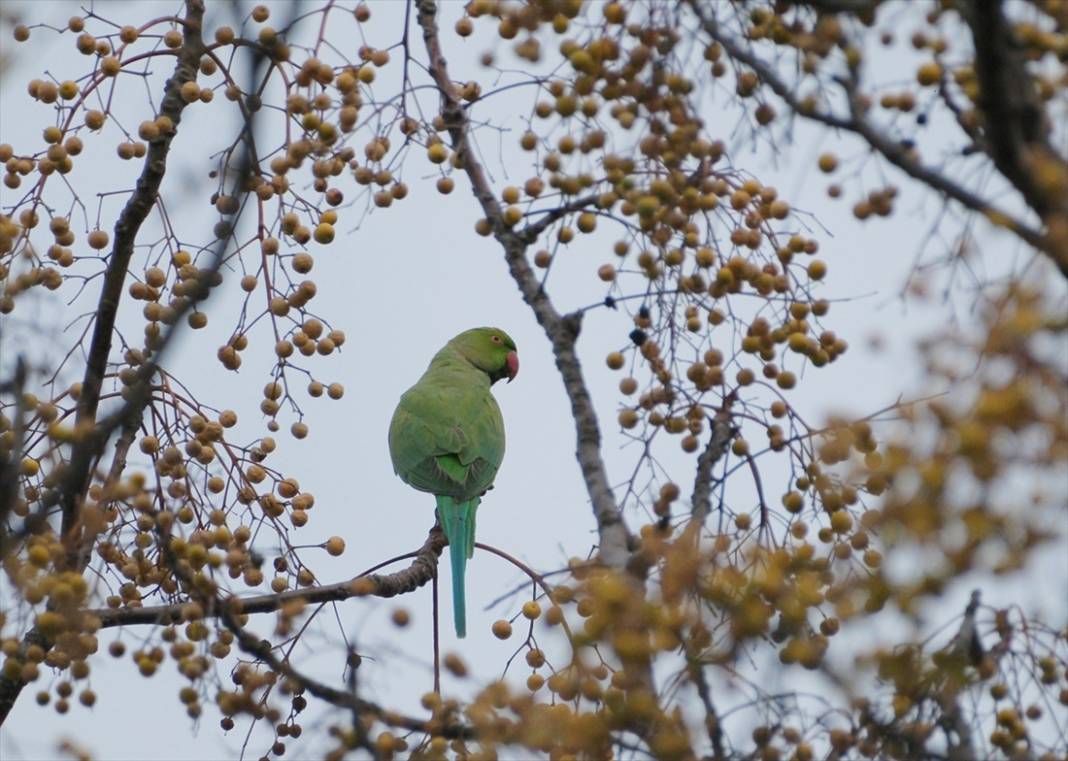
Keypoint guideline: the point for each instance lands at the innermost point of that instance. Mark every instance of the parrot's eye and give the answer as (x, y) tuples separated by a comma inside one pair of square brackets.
[(496, 339)]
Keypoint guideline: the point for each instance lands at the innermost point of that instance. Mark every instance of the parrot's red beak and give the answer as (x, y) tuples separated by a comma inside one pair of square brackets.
[(512, 363)]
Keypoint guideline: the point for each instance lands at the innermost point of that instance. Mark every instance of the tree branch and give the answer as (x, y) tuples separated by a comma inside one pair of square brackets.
[(886, 146), (561, 330), (85, 451), (1015, 122), (262, 650), (966, 647), (421, 570), (713, 724), (11, 687), (133, 215), (531, 232), (719, 439), (94, 435), (10, 463)]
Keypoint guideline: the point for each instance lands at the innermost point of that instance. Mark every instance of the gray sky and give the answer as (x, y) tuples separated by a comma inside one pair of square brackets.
[(401, 285)]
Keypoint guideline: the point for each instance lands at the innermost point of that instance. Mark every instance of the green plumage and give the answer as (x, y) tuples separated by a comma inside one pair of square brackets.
[(447, 438)]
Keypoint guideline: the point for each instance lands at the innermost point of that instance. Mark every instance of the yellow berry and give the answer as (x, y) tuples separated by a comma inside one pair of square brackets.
[(98, 239), (929, 74), (531, 609), (793, 501), (841, 521), (817, 268), (455, 665), (324, 233), (512, 215), (437, 152)]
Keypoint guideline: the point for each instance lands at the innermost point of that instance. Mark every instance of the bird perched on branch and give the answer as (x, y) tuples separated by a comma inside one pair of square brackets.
[(447, 438)]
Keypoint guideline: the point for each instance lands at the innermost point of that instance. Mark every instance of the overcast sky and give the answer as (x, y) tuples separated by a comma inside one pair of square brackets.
[(401, 285)]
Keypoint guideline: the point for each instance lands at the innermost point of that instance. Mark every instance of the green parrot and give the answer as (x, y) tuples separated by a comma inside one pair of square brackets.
[(447, 438)]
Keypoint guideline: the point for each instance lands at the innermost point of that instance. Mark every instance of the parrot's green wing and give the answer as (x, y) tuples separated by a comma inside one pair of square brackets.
[(447, 435)]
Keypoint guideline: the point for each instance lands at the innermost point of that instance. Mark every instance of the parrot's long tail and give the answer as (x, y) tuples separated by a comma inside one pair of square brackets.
[(458, 522)]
